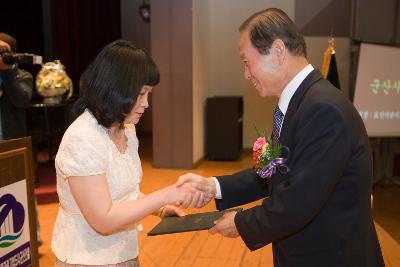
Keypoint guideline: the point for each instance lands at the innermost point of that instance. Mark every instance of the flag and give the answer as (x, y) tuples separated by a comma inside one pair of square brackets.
[(329, 67)]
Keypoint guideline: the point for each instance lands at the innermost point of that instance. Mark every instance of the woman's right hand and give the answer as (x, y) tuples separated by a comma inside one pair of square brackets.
[(189, 194)]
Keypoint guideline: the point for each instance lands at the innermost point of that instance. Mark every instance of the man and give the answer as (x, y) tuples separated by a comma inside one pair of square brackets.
[(319, 213), (16, 87)]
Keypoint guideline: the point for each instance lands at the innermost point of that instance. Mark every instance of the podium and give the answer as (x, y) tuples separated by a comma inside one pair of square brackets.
[(18, 240)]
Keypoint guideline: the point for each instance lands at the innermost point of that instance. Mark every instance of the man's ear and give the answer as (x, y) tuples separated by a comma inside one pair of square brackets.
[(279, 50)]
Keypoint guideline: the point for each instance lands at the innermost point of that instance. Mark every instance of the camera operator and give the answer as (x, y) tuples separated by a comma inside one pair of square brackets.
[(16, 87)]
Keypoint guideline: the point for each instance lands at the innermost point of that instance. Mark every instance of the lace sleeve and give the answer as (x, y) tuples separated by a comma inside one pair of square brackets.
[(82, 154)]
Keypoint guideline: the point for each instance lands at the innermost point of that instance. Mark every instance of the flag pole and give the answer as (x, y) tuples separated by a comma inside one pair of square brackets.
[(330, 50), (329, 66)]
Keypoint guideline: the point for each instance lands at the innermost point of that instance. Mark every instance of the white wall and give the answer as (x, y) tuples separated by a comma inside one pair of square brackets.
[(217, 69), (200, 26)]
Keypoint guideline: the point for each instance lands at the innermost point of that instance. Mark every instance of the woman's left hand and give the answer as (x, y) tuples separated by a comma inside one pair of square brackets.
[(172, 210)]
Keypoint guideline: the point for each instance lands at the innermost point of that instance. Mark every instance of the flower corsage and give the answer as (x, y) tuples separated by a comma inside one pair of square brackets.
[(268, 159)]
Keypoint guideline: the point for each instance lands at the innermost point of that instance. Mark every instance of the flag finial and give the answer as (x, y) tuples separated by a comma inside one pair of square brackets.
[(329, 67)]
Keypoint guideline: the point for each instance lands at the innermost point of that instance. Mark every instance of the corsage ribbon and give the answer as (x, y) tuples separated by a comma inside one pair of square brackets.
[(277, 164)]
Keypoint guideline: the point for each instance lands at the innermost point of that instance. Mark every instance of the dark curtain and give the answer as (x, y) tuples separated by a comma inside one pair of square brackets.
[(80, 29), (23, 20)]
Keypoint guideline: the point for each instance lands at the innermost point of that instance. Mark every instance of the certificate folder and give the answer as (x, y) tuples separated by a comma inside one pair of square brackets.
[(191, 222)]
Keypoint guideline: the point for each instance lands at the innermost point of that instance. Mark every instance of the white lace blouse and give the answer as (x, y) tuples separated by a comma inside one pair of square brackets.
[(86, 150)]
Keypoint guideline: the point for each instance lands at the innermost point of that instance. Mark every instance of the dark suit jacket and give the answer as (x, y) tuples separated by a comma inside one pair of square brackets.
[(17, 87), (320, 213)]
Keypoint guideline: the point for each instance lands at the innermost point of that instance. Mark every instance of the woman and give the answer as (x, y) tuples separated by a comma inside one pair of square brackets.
[(98, 166)]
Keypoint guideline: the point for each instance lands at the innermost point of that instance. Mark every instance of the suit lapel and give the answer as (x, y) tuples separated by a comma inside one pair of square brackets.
[(295, 101)]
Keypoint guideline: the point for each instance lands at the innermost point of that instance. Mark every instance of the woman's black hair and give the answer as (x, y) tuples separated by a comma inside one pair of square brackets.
[(111, 84)]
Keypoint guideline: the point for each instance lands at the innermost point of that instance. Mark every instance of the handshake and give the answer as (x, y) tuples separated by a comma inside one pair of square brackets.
[(193, 191)]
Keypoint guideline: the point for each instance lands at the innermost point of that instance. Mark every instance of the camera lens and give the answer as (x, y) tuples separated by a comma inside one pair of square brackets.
[(8, 58)]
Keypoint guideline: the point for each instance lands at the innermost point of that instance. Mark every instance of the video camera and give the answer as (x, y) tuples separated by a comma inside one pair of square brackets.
[(10, 58)]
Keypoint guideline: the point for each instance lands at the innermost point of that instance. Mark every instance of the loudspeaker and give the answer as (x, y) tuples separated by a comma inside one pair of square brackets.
[(224, 127)]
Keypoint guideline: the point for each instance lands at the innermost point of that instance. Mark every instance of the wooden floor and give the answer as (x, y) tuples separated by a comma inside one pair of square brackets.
[(194, 248)]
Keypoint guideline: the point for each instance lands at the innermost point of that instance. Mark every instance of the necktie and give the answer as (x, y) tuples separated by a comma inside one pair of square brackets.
[(276, 130)]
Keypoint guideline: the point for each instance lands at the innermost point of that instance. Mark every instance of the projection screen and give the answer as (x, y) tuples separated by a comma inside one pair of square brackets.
[(377, 90)]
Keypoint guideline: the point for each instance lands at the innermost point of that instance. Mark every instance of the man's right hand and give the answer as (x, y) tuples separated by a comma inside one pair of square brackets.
[(204, 193)]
